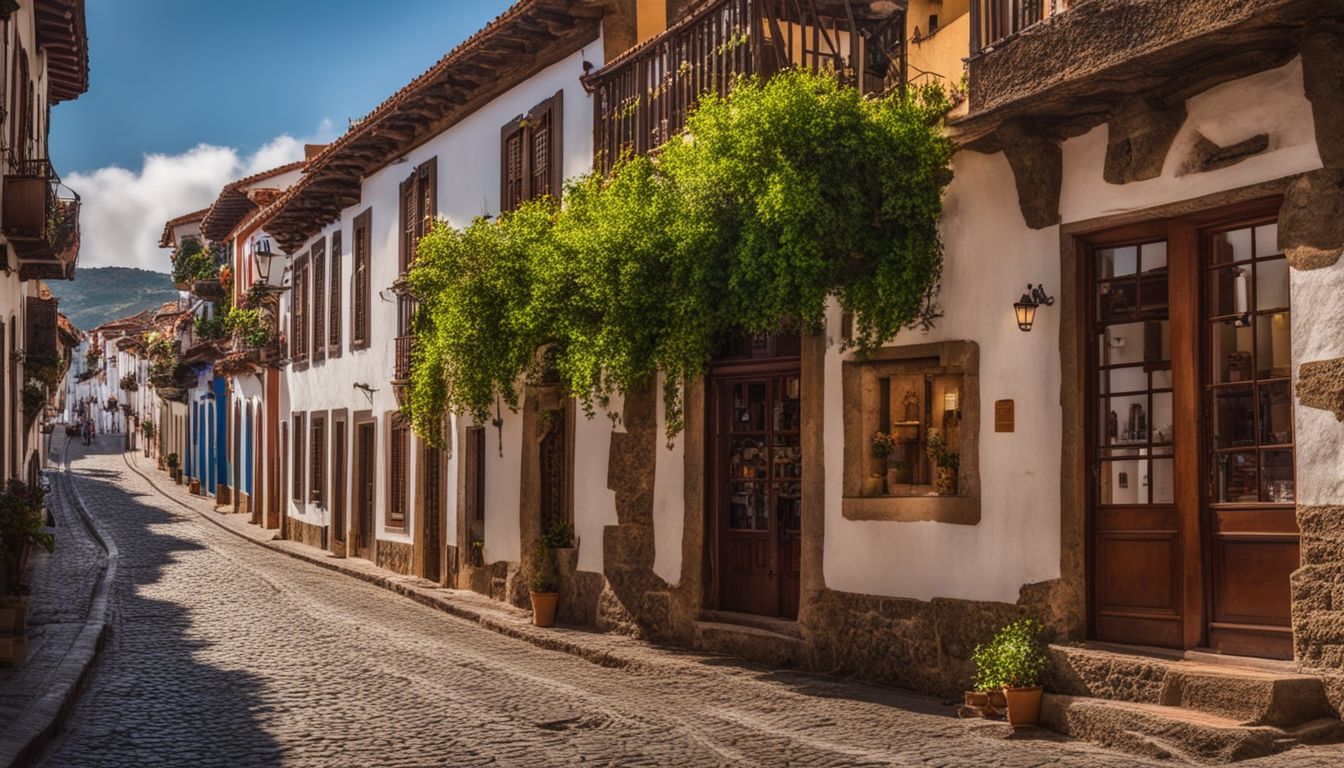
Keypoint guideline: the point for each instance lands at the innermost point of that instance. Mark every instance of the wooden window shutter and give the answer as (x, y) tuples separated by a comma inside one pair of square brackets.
[(334, 286), (545, 129), (512, 168), (397, 475), (318, 452), (406, 222), (427, 177), (319, 267), (297, 471), (360, 282)]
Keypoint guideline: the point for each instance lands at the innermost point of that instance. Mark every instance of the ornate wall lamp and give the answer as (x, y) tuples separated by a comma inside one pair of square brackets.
[(1025, 307)]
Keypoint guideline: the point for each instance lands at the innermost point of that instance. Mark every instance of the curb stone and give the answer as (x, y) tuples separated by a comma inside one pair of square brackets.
[(516, 628), (42, 718)]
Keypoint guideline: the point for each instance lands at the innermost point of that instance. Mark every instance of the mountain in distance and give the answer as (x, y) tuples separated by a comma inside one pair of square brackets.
[(100, 294)]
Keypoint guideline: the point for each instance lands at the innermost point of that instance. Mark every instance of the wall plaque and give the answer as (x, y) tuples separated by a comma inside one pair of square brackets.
[(1003, 415)]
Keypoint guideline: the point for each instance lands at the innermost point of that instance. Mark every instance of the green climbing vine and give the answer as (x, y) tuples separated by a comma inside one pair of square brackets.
[(778, 198)]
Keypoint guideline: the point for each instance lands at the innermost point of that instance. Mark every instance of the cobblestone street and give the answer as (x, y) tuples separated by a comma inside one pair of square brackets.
[(225, 653)]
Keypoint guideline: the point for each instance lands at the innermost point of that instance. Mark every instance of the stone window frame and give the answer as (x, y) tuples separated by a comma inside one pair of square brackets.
[(954, 357)]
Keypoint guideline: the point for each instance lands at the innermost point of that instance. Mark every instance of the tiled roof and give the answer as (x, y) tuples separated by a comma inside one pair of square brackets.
[(530, 35), (167, 240), (61, 34), (235, 201)]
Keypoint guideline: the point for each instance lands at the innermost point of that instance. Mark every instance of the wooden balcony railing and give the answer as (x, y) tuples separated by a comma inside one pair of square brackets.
[(402, 366), (642, 98), (41, 219), (993, 21)]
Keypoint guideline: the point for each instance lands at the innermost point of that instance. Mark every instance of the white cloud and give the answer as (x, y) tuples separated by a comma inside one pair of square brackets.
[(123, 211)]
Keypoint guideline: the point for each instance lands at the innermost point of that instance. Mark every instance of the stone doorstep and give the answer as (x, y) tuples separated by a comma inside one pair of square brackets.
[(1250, 694), (1164, 732), (779, 626), (747, 642)]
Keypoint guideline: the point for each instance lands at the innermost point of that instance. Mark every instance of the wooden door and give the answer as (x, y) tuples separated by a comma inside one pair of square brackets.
[(757, 477), (1137, 531), (366, 479), (432, 490), (338, 485), (1252, 534)]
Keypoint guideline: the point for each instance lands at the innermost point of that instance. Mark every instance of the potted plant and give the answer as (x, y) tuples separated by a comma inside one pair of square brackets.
[(542, 584), (882, 446), (947, 460), (1014, 661), (171, 461), (22, 516)]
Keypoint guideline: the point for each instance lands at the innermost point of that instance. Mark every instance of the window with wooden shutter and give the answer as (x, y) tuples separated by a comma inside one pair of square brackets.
[(298, 311), (334, 319), (319, 307), (417, 203), (297, 470), (359, 281), (397, 471), (530, 162), (317, 478)]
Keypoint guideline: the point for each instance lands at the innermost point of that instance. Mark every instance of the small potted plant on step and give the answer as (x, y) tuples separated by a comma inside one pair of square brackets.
[(171, 461), (948, 461), (1015, 660), (542, 583)]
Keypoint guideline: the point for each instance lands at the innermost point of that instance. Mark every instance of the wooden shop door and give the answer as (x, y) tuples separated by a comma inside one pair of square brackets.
[(366, 478), (757, 474), (1190, 433)]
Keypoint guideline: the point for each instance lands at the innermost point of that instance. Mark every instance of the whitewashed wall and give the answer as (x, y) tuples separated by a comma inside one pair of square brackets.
[(468, 186), (990, 256)]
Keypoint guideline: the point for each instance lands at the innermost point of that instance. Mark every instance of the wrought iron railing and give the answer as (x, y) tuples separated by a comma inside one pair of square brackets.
[(643, 97), (994, 21)]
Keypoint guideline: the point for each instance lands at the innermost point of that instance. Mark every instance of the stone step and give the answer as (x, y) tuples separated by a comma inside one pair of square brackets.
[(1250, 693), (772, 649), (1165, 732), (767, 623)]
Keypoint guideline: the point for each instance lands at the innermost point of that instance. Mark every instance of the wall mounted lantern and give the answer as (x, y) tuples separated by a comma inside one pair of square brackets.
[(1025, 307), (262, 257)]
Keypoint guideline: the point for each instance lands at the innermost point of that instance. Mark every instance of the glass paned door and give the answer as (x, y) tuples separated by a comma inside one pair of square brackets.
[(1136, 541), (759, 462), (1248, 407)]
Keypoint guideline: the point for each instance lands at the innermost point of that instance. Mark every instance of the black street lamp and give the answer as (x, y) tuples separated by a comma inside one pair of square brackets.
[(1025, 307)]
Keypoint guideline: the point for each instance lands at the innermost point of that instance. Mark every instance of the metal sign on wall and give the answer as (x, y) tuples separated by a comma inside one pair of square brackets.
[(1003, 415)]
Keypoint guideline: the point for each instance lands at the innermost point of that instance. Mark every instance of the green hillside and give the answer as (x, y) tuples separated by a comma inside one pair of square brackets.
[(100, 294)]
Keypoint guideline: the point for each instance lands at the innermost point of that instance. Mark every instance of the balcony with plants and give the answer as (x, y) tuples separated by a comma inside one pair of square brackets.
[(196, 268), (254, 334), (642, 98), (41, 220)]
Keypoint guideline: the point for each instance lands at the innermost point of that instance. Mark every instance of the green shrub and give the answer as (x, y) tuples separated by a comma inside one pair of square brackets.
[(541, 571), (1015, 658), (559, 536)]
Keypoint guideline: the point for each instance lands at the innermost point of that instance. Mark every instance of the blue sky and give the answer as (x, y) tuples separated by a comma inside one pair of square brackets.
[(185, 95)]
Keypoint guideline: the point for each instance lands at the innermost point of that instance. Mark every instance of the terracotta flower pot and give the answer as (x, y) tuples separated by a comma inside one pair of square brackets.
[(13, 617), (543, 608), (1024, 705), (873, 485)]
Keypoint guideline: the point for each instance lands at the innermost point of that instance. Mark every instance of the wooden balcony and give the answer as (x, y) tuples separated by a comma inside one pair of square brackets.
[(994, 21), (641, 99), (401, 372), (1063, 66), (41, 220)]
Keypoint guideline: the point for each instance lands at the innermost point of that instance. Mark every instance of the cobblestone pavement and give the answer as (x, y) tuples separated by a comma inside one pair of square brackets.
[(225, 653), (61, 586)]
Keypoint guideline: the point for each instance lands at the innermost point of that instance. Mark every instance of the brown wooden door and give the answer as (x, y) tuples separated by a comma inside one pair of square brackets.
[(1190, 440), (1137, 530), (365, 479), (433, 510), (1252, 534), (757, 475), (338, 484)]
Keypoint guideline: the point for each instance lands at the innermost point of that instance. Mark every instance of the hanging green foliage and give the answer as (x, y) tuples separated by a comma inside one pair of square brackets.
[(782, 195)]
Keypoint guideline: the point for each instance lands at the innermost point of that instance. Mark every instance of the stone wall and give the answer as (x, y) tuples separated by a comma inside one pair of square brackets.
[(306, 533), (395, 556)]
